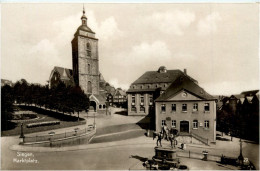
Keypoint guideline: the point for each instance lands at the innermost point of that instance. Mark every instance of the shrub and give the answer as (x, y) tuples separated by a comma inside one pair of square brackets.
[(47, 123)]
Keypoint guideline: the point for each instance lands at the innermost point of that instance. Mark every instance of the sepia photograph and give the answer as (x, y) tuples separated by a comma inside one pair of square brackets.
[(130, 86)]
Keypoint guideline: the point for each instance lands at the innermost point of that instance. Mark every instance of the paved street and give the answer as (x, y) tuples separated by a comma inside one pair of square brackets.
[(120, 154)]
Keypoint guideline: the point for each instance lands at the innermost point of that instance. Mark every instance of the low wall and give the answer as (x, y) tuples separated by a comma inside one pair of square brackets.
[(189, 154), (84, 138)]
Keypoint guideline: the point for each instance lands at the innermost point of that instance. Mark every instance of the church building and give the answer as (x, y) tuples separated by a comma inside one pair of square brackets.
[(85, 64)]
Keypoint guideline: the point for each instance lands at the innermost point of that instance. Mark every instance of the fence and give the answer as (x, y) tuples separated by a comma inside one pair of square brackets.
[(53, 137), (194, 155)]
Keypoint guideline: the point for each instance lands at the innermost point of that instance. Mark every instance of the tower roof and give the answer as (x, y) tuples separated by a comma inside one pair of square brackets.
[(84, 26)]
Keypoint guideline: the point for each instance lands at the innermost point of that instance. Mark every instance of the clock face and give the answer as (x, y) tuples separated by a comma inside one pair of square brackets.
[(184, 94)]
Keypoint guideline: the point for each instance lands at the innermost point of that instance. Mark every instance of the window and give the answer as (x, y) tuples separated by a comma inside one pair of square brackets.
[(89, 69), (195, 123), (133, 99), (141, 99), (184, 107), (206, 124), (100, 106), (88, 49), (148, 86), (163, 122), (195, 107), (141, 87), (163, 108), (206, 107), (174, 123), (142, 109), (173, 107), (104, 106), (151, 100), (133, 109), (89, 87)]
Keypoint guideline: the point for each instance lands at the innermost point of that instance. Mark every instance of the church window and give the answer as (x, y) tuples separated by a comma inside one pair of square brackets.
[(89, 87), (89, 69), (88, 49)]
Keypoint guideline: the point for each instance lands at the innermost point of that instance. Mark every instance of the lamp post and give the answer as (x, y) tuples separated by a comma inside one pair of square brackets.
[(21, 135), (240, 157), (51, 134)]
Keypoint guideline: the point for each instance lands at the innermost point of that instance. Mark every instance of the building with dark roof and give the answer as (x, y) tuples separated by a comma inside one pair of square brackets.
[(187, 107), (147, 88), (119, 98), (85, 64), (61, 74)]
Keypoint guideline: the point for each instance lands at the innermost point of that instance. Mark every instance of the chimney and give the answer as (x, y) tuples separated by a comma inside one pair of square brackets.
[(185, 71)]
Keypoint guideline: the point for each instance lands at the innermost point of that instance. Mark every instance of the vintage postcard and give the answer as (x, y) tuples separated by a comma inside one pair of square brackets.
[(130, 86)]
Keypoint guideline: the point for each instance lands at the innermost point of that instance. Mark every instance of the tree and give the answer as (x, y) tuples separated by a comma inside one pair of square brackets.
[(7, 101), (78, 101)]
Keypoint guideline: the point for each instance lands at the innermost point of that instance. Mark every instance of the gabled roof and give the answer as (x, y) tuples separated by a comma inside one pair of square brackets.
[(184, 83), (64, 73), (120, 92)]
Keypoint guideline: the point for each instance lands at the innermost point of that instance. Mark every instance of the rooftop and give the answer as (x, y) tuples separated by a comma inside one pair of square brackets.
[(185, 83)]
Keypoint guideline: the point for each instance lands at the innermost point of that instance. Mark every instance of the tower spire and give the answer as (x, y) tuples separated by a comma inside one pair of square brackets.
[(84, 18)]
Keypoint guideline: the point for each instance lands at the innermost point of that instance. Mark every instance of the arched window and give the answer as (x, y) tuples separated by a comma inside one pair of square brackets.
[(100, 106), (104, 106), (89, 87), (88, 49), (89, 69)]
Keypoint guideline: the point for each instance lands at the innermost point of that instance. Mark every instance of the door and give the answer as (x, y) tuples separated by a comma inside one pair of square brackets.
[(184, 126)]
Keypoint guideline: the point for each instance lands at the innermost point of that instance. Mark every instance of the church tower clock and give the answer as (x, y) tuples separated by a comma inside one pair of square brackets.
[(85, 58)]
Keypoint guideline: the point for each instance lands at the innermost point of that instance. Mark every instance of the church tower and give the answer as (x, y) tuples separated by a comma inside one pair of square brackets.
[(85, 58)]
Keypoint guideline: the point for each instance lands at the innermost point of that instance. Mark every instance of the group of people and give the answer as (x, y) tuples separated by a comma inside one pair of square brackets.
[(167, 134)]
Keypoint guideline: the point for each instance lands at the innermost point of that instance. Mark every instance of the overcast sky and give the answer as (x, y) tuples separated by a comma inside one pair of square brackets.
[(218, 44)]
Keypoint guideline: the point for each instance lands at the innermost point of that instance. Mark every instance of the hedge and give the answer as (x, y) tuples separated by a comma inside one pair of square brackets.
[(47, 123)]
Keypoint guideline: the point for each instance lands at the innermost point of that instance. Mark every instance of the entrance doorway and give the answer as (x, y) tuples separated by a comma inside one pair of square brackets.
[(93, 106), (184, 126)]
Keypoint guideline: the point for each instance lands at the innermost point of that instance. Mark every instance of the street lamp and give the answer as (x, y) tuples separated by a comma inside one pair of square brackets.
[(21, 135), (240, 157)]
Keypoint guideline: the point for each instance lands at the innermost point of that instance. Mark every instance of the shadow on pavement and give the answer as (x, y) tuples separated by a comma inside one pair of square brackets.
[(124, 113), (142, 159), (222, 139)]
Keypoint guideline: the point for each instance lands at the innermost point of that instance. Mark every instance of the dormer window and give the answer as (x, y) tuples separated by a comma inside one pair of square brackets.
[(162, 69)]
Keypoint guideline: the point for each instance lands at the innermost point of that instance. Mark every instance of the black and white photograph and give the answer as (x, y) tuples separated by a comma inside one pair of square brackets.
[(129, 86)]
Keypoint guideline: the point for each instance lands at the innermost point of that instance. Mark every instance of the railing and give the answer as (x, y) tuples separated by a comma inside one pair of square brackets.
[(43, 138), (204, 140)]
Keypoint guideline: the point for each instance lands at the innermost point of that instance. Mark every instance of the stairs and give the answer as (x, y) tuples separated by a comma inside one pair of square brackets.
[(191, 138)]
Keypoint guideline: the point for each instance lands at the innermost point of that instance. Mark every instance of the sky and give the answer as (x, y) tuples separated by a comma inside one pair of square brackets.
[(217, 43)]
